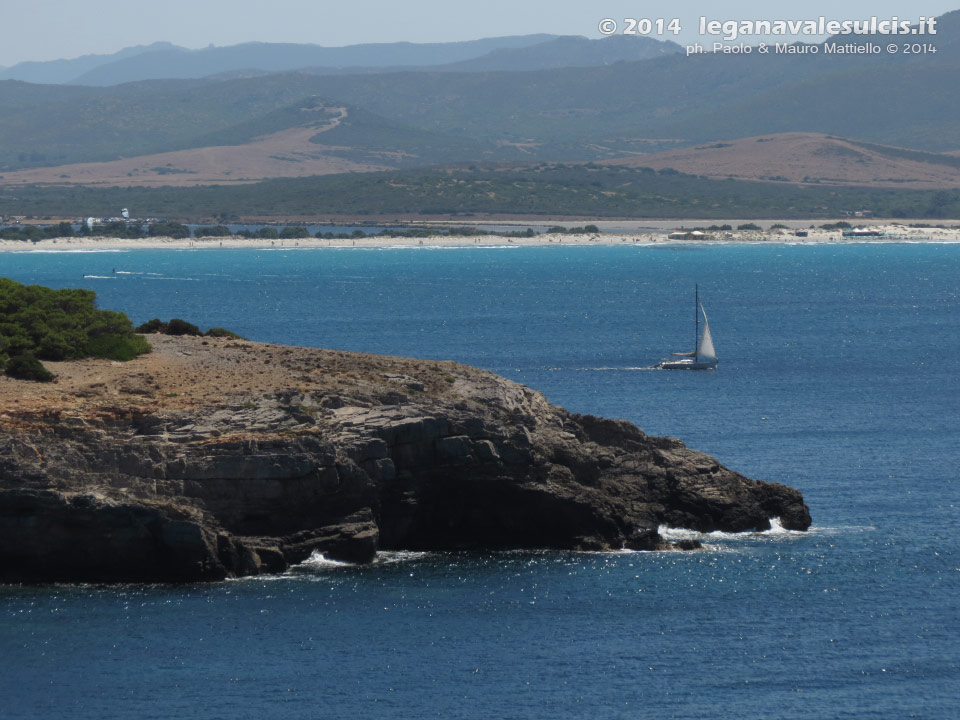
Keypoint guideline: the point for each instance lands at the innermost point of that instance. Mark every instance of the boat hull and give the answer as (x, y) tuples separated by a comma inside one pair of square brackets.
[(687, 364)]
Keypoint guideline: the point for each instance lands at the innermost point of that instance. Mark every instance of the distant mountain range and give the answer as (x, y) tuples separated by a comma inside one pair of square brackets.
[(530, 99), (65, 71), (166, 61)]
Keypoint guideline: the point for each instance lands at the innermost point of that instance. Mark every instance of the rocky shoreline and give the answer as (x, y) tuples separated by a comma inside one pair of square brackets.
[(216, 458)]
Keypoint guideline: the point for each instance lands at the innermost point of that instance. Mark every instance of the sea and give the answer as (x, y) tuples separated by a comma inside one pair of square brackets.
[(839, 375)]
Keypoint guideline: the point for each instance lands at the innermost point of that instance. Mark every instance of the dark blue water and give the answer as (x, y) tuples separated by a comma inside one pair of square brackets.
[(839, 374)]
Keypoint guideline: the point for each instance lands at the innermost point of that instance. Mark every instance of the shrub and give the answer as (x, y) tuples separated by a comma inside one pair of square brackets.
[(118, 347), (168, 229), (181, 327), (222, 332), (294, 232), (214, 231), (119, 229), (27, 367), (153, 326), (38, 323)]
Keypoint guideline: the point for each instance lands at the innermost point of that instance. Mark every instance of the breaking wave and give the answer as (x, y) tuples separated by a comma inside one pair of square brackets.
[(675, 534), (318, 561)]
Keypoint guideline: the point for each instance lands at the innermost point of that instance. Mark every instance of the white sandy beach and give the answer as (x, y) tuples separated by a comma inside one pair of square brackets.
[(890, 233)]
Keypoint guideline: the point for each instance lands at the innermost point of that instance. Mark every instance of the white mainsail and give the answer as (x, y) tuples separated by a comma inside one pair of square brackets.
[(705, 350), (704, 357)]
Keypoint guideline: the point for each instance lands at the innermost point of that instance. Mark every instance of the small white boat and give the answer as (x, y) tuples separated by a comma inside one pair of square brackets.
[(705, 356)]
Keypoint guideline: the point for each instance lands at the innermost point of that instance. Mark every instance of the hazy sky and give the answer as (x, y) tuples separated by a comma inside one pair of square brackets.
[(50, 29)]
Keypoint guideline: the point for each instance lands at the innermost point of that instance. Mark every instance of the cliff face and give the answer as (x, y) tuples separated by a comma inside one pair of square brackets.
[(211, 458)]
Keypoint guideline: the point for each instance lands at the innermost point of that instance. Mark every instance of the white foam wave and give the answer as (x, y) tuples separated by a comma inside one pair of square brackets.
[(318, 561), (436, 247), (72, 251), (840, 530), (99, 277), (449, 247), (282, 248), (387, 557), (776, 528), (675, 534)]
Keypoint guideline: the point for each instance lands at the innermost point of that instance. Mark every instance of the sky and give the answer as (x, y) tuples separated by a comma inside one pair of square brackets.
[(53, 29)]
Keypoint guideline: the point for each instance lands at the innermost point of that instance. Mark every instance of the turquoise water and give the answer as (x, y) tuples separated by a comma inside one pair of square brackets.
[(838, 375)]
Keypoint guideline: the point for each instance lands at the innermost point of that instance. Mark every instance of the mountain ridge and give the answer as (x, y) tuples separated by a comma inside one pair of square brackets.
[(164, 60), (64, 70)]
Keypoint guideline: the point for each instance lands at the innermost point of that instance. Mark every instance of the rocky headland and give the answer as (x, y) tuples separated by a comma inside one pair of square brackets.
[(215, 457)]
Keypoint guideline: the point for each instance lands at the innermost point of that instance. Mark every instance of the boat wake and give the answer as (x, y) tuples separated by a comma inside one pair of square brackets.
[(614, 369)]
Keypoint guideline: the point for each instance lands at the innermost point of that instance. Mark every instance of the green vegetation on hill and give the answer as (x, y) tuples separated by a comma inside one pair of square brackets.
[(899, 105), (907, 154), (38, 323), (53, 124), (367, 138), (542, 190), (565, 114)]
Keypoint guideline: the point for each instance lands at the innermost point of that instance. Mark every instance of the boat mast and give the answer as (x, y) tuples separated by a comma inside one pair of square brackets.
[(696, 321)]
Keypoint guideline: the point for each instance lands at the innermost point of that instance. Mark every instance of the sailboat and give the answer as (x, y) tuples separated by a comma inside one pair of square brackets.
[(705, 356)]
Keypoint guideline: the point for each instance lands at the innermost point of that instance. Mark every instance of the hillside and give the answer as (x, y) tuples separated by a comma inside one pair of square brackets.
[(328, 139), (808, 158), (566, 114)]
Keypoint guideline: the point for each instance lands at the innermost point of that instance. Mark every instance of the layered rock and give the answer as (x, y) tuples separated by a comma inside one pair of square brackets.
[(218, 458)]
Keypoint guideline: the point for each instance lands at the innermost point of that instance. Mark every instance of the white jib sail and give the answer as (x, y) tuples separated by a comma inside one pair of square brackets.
[(705, 349)]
